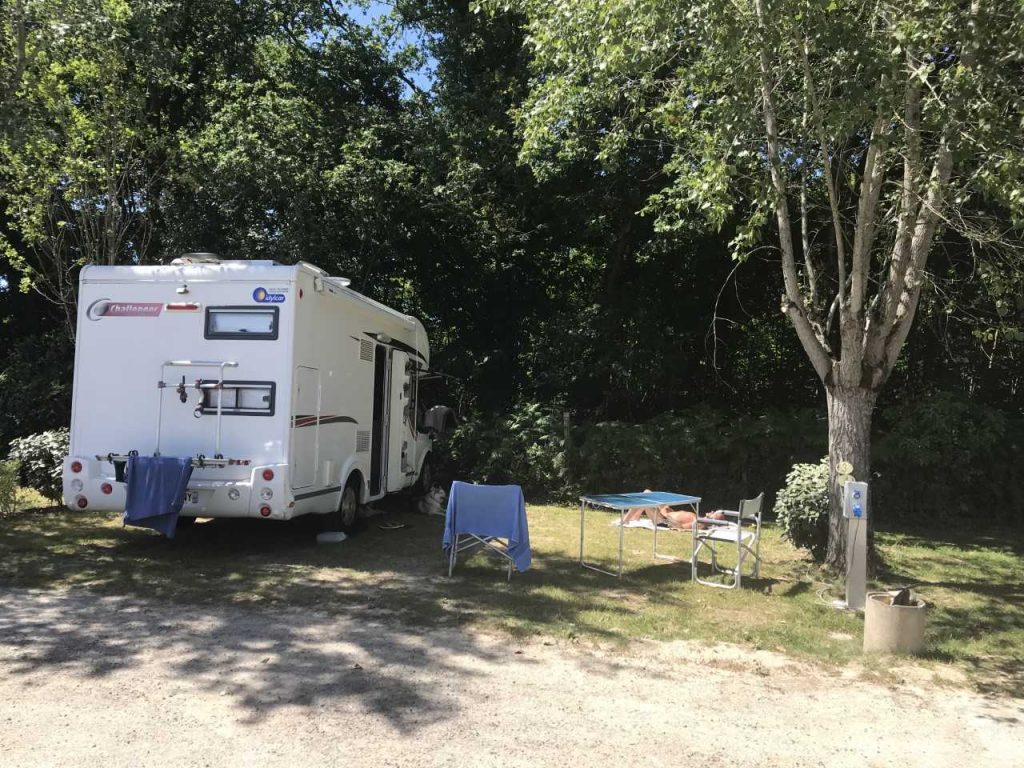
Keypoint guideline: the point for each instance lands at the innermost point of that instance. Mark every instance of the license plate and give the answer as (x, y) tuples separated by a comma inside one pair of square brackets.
[(191, 497)]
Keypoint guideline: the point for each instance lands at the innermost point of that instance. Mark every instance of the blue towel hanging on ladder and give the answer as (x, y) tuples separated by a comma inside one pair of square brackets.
[(156, 491)]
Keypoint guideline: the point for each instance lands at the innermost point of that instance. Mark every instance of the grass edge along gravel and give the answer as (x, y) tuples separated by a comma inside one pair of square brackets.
[(975, 584)]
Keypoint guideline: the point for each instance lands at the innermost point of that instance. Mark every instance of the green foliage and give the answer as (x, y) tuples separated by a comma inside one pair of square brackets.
[(721, 457), (945, 456), (710, 453), (525, 447), (41, 457), (801, 507), (72, 139), (8, 487), (35, 384), (938, 458)]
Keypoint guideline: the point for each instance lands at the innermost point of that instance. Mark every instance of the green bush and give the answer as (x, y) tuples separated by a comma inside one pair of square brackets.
[(525, 447), (801, 507), (720, 457), (41, 457), (945, 456), (35, 384), (723, 458), (8, 487), (940, 457)]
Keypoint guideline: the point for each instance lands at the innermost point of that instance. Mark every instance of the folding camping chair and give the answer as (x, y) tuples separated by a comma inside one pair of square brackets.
[(492, 517), (745, 533)]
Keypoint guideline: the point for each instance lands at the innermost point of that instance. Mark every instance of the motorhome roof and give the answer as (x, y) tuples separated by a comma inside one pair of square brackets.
[(195, 271), (221, 270)]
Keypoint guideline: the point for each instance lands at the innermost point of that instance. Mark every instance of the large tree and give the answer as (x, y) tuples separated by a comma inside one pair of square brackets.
[(860, 131), (72, 179)]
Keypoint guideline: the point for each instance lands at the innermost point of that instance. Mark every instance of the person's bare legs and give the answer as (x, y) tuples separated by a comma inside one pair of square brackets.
[(628, 516), (681, 519), (634, 514)]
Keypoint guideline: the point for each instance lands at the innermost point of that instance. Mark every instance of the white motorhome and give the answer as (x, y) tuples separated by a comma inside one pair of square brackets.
[(291, 393)]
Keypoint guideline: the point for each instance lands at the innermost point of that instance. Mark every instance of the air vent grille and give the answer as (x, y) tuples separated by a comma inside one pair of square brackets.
[(366, 350), (363, 441)]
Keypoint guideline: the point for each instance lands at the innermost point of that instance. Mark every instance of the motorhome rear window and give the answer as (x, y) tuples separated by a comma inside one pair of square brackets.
[(239, 398), (241, 322)]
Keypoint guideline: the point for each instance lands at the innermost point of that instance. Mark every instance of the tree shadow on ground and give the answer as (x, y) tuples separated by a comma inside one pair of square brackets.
[(264, 659), (241, 605)]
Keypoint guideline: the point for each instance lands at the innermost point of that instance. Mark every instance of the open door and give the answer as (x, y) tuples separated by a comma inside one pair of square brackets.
[(399, 432), (379, 429), (305, 426)]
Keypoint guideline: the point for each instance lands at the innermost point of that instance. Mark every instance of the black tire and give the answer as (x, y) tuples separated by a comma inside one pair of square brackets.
[(347, 514), (426, 478)]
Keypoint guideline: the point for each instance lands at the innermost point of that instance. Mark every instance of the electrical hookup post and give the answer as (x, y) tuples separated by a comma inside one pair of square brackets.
[(855, 512)]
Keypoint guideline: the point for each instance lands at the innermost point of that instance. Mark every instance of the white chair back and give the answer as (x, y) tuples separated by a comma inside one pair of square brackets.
[(750, 509)]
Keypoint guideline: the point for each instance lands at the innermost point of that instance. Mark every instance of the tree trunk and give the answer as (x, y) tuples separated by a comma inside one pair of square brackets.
[(849, 439)]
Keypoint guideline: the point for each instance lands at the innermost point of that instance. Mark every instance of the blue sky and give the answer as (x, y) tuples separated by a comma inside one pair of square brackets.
[(372, 11)]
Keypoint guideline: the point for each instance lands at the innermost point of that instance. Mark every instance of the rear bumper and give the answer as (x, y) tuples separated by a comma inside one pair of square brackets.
[(94, 487)]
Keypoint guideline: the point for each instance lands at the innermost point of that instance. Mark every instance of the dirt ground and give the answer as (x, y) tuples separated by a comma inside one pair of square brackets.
[(87, 680)]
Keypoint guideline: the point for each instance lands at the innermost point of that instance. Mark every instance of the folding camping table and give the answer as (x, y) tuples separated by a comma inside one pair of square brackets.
[(623, 502)]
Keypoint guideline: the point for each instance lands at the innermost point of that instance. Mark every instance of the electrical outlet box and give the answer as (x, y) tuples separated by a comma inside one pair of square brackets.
[(855, 500)]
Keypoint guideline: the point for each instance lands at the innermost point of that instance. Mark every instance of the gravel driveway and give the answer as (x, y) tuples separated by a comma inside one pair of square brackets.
[(88, 680)]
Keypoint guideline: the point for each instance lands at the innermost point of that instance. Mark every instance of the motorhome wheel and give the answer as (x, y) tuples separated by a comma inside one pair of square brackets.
[(425, 479), (349, 508)]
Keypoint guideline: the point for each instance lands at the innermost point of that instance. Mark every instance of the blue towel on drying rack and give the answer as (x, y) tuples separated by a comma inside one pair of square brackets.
[(156, 491), (490, 510)]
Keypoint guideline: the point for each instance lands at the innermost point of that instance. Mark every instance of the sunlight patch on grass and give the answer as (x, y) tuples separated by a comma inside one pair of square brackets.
[(975, 584)]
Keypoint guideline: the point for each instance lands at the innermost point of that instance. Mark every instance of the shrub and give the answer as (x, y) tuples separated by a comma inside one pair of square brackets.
[(8, 487), (943, 456), (35, 384), (801, 507), (41, 457), (525, 447), (720, 457)]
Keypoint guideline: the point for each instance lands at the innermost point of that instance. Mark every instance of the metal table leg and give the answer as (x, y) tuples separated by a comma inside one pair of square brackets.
[(673, 558), (583, 562), (582, 503), (622, 537)]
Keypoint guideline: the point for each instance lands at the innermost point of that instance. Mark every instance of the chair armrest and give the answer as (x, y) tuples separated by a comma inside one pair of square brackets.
[(729, 512), (713, 521)]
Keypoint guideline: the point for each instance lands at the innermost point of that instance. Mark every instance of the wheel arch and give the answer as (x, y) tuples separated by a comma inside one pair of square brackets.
[(355, 477)]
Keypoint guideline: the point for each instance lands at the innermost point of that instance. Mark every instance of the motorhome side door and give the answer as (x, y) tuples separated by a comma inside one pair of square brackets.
[(305, 426), (379, 429), (401, 460)]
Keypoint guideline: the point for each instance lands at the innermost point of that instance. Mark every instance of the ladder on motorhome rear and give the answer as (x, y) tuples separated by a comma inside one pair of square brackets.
[(200, 460)]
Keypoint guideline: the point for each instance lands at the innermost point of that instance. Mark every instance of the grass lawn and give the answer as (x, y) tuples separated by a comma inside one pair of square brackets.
[(975, 583)]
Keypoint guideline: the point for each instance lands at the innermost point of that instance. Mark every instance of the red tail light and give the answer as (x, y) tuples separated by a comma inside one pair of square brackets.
[(268, 475), (107, 489), (76, 467), (265, 511), (81, 502)]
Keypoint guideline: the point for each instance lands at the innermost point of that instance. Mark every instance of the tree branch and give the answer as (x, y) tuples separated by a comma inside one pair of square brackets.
[(826, 163), (867, 215), (924, 232), (793, 303), (901, 252)]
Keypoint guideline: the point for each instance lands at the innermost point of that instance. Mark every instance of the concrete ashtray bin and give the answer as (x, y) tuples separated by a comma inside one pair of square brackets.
[(892, 628)]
